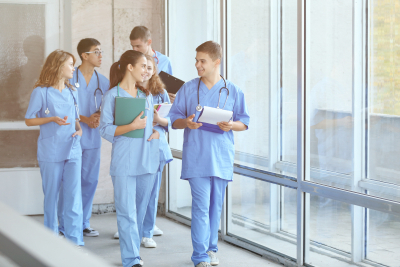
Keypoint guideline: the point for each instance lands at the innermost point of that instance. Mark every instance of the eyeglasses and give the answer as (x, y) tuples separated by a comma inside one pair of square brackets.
[(97, 52)]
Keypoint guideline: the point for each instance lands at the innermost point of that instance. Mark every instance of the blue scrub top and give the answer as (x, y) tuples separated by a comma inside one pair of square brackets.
[(164, 63), (207, 153), (129, 156), (165, 151), (91, 137), (55, 143)]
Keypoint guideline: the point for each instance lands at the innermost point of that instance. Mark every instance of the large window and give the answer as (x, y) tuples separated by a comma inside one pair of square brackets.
[(317, 174)]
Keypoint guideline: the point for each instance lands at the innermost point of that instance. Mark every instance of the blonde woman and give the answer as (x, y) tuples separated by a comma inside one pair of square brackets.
[(54, 107)]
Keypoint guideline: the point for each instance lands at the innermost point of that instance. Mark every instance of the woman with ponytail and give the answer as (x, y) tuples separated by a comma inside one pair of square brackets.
[(134, 161), (153, 83)]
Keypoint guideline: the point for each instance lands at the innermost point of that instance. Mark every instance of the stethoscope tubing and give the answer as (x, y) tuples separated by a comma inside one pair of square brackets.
[(95, 91), (219, 97)]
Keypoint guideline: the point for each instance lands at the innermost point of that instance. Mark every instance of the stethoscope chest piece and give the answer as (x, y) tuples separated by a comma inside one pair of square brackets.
[(47, 111), (77, 85), (199, 107)]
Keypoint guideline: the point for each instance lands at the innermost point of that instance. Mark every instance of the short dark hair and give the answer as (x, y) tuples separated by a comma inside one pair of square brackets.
[(85, 45), (140, 32), (213, 49)]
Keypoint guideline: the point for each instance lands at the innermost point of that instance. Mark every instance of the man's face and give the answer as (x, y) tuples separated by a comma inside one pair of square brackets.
[(140, 45), (94, 58), (205, 65)]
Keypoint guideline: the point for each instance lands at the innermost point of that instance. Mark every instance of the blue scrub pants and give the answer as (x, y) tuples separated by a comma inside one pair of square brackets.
[(151, 212), (89, 179), (67, 173), (131, 195), (207, 198)]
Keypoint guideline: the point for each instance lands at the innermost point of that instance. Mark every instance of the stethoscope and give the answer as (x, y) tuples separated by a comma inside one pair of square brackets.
[(158, 99), (199, 107), (148, 103), (95, 91), (47, 111), (155, 56)]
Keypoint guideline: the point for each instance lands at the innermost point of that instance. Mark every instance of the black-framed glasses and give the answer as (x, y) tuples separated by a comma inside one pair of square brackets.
[(97, 52)]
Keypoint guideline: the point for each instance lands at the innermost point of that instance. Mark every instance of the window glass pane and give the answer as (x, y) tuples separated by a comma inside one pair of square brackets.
[(384, 111), (248, 67), (329, 240), (263, 213), (333, 224), (329, 92), (180, 198)]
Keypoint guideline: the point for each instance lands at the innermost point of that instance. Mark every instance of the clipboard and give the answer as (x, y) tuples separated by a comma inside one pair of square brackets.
[(210, 116), (172, 83), (126, 110)]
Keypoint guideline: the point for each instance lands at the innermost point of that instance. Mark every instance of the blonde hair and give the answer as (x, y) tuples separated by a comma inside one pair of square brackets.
[(156, 86), (51, 70)]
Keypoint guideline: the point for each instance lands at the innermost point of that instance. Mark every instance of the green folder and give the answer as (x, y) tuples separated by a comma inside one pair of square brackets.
[(126, 110)]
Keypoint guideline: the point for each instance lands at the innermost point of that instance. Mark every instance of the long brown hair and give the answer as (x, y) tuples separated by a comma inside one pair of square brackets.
[(118, 69), (156, 86), (51, 70)]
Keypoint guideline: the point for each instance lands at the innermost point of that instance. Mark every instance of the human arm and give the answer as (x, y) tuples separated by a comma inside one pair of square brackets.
[(232, 125), (78, 129), (93, 121), (240, 119), (41, 121)]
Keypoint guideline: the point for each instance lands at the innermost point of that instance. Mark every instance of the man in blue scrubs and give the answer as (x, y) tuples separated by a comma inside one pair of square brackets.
[(141, 41), (91, 86), (207, 158)]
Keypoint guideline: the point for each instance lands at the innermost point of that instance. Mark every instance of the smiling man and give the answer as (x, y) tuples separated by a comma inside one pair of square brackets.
[(207, 159), (90, 86)]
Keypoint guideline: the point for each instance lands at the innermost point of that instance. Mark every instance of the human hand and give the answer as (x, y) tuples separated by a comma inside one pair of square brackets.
[(78, 133), (225, 126), (192, 125), (154, 135), (60, 121), (139, 123), (172, 97), (94, 120)]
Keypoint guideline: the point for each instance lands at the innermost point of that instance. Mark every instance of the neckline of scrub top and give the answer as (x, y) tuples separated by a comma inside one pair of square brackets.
[(137, 94), (91, 78), (205, 89)]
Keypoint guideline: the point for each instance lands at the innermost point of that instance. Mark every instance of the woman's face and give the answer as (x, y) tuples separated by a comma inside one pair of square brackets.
[(67, 70), (139, 70), (149, 70)]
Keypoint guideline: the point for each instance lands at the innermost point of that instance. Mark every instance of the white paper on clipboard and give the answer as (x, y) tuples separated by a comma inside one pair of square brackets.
[(213, 115)]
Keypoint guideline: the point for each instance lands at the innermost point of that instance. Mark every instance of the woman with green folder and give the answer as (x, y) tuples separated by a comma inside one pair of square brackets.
[(134, 161)]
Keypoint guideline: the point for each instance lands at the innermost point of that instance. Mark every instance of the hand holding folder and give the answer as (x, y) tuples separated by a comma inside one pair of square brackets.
[(126, 111)]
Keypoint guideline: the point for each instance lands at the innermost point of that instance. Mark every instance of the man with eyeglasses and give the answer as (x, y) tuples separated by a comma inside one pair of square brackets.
[(91, 86)]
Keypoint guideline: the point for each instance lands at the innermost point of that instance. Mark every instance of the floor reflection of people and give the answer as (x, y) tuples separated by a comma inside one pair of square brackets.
[(17, 83)]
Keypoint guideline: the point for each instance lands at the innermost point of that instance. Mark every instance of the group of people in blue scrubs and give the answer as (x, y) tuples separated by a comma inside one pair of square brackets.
[(75, 109)]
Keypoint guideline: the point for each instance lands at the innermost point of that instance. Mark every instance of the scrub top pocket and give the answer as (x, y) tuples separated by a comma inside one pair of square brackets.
[(46, 149)]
